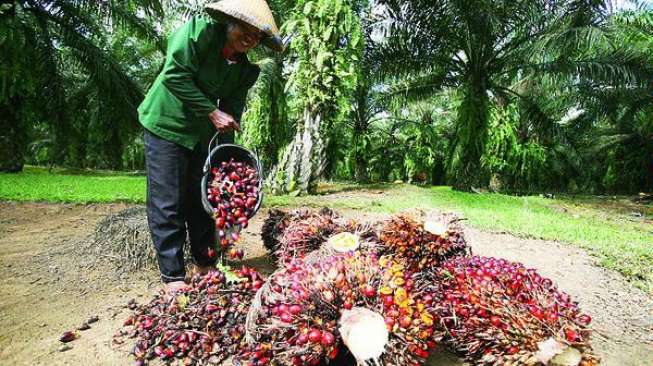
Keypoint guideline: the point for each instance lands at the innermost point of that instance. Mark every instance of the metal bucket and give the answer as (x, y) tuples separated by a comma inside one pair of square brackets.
[(226, 152)]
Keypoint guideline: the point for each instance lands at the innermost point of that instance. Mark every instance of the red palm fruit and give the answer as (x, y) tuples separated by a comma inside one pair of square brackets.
[(313, 283), (405, 322), (295, 309), (286, 317), (67, 336), (369, 291), (496, 321), (585, 319), (315, 336), (388, 300), (531, 313), (571, 335), (302, 338), (219, 222), (328, 338), (251, 202)]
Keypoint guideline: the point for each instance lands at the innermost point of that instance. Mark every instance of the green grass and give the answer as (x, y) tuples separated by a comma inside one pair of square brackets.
[(37, 184), (602, 225)]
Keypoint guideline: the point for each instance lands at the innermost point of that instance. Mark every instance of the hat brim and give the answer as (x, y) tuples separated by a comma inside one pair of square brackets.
[(270, 40)]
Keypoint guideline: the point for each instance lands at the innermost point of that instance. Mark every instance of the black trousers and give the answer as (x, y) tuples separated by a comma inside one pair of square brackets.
[(174, 206)]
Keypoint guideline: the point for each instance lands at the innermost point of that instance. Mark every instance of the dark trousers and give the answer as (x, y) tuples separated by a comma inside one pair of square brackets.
[(174, 206)]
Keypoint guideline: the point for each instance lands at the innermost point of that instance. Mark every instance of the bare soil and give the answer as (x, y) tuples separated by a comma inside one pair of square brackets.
[(49, 286)]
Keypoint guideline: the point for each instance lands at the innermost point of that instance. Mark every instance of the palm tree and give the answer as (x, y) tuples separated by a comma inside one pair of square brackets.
[(323, 57), (483, 47), (40, 41)]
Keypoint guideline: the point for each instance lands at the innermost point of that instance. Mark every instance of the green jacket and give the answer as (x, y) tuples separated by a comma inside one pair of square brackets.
[(195, 76)]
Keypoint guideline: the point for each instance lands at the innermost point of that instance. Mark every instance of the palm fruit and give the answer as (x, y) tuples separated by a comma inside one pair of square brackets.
[(406, 239), (275, 224), (497, 312), (293, 234), (302, 233), (307, 310), (201, 326)]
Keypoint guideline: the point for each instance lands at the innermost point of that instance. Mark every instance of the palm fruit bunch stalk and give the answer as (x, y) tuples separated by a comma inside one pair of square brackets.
[(307, 311), (233, 192), (202, 326), (421, 245), (497, 312), (298, 233)]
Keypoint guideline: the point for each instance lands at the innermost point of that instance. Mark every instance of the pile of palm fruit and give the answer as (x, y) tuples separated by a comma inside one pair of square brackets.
[(203, 325), (388, 292)]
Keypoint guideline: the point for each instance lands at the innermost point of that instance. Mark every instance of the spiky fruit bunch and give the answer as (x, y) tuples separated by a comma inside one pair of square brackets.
[(305, 235), (204, 325), (497, 312), (295, 319), (406, 240), (233, 194), (278, 221), (275, 224)]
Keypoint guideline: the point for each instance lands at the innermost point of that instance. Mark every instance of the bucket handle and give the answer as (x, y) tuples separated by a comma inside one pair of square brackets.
[(207, 167)]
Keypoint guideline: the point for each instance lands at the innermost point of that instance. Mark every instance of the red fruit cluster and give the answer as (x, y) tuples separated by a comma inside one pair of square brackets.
[(296, 321), (204, 325), (290, 235), (405, 240), (233, 192), (496, 312), (305, 236)]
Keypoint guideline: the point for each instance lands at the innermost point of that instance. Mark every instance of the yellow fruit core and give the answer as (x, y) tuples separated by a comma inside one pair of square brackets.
[(344, 242)]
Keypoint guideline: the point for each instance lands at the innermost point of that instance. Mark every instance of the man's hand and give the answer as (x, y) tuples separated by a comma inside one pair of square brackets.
[(223, 122)]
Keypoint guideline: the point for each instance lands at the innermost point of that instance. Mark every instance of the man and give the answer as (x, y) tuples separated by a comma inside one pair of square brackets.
[(206, 61)]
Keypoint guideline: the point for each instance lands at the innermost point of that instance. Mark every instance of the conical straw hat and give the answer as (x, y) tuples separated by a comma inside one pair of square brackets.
[(256, 13)]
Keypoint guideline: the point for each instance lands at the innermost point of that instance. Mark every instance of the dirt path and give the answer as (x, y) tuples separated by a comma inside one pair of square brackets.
[(48, 288)]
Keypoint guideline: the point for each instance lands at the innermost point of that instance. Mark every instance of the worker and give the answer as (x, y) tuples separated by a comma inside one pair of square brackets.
[(206, 62)]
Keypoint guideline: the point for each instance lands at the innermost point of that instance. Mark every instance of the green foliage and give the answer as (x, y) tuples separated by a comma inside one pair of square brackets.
[(68, 77), (323, 59), (525, 95), (517, 164), (265, 122), (498, 52)]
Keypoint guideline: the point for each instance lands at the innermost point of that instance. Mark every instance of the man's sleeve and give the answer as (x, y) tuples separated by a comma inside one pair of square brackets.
[(235, 104), (186, 48)]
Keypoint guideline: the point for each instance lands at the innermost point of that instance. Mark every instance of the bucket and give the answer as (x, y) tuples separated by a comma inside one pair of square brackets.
[(226, 152)]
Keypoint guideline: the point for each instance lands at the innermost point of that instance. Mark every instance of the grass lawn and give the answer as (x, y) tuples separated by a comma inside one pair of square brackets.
[(605, 226), (72, 186)]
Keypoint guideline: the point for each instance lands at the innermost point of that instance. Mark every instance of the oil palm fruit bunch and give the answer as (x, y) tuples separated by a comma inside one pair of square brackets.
[(278, 221), (204, 325), (421, 245), (310, 309), (275, 224), (300, 233), (233, 194), (497, 312)]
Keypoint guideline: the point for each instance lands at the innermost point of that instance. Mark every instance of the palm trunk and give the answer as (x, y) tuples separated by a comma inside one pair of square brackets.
[(359, 161), (13, 137), (304, 160), (464, 168)]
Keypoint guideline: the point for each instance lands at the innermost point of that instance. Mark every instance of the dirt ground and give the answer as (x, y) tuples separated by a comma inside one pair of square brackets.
[(49, 286)]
